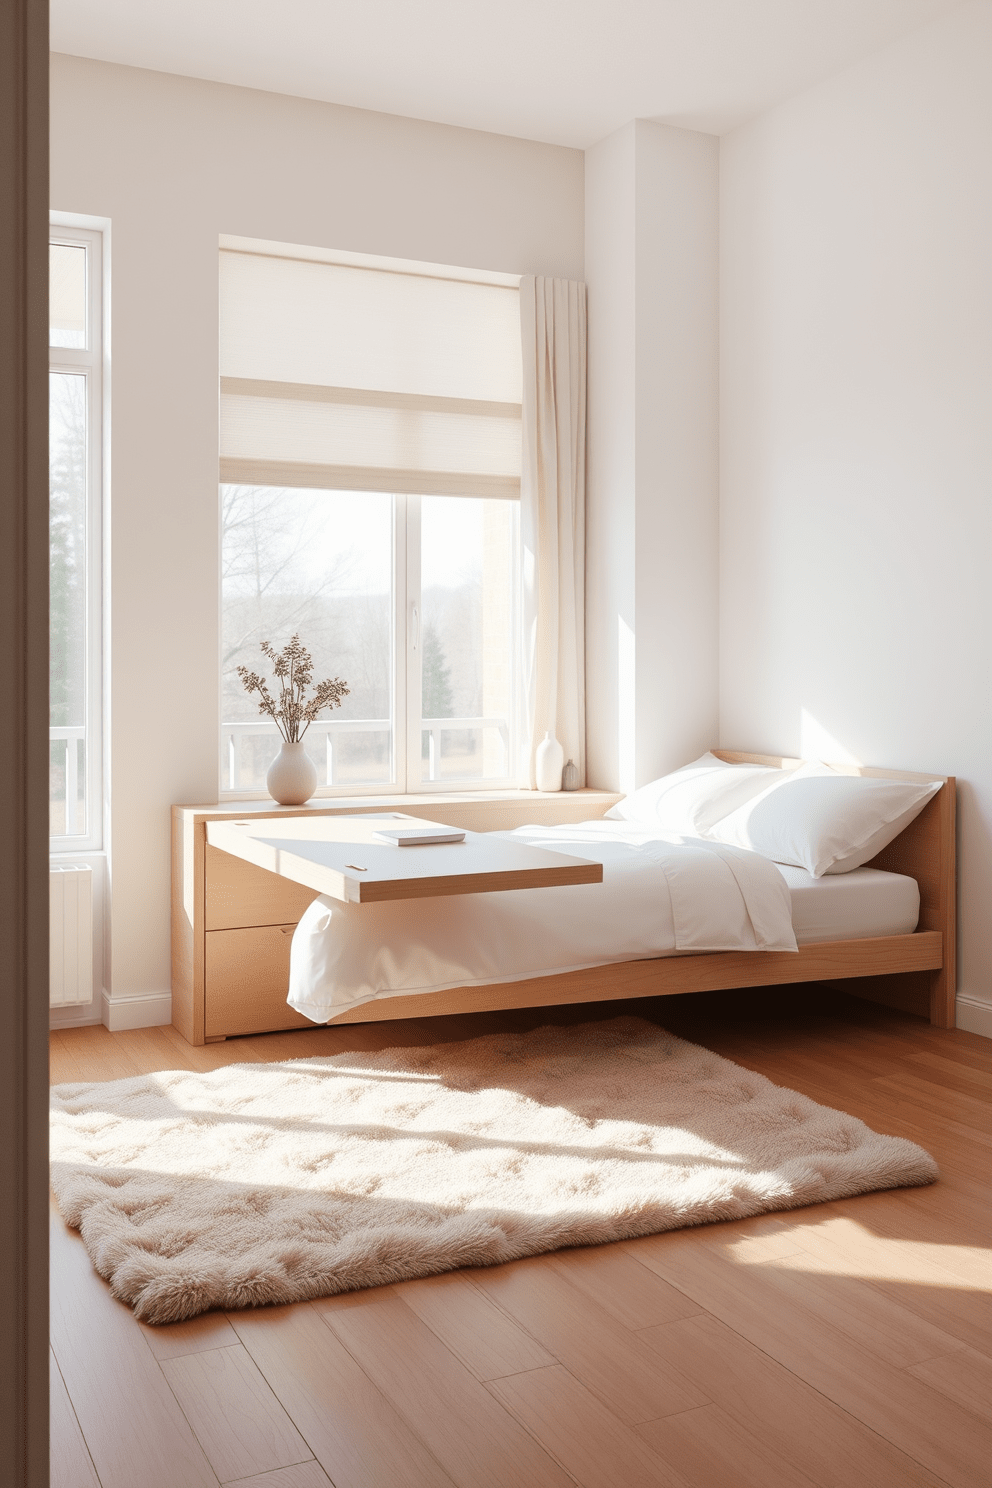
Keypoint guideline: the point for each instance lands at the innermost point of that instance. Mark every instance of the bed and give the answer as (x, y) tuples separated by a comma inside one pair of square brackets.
[(891, 921)]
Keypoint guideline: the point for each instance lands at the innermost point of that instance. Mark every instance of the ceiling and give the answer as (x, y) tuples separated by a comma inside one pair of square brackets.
[(565, 71)]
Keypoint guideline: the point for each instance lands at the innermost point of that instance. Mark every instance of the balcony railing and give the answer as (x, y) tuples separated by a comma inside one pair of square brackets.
[(71, 736), (324, 738), (320, 740)]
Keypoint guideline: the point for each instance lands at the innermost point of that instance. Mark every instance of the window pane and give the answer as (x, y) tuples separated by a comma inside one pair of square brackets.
[(67, 577), (67, 295), (467, 585), (319, 563)]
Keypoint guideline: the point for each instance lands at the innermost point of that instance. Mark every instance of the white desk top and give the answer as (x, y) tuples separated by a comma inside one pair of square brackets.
[(337, 855)]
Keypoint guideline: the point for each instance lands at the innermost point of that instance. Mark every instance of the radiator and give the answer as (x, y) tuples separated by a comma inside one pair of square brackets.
[(71, 935)]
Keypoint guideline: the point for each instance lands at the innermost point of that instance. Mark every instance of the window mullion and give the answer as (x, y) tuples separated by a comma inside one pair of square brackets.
[(399, 642), (413, 644)]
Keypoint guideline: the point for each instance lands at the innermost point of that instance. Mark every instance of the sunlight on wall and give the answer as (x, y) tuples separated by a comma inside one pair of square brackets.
[(626, 707), (815, 743)]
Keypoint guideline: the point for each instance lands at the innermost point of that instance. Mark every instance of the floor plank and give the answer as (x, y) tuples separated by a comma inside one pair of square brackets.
[(609, 1359), (478, 1442), (965, 1377), (210, 1330), (909, 1272), (779, 1315), (486, 1341), (893, 1333), (100, 1055), (154, 1049), (970, 1079), (615, 1281), (303, 1475), (953, 1244), (63, 1069), (712, 1450), (353, 1431), (966, 1107), (238, 1421), (70, 1464), (811, 1433), (591, 1443), (130, 1419)]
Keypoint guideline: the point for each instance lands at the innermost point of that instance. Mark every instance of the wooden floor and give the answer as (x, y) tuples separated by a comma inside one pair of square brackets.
[(847, 1345)]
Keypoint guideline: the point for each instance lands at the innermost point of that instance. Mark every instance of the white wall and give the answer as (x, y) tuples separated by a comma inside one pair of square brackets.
[(173, 162), (651, 606), (856, 519)]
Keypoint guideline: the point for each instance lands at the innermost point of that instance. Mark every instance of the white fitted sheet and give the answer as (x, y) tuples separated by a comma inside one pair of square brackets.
[(851, 906)]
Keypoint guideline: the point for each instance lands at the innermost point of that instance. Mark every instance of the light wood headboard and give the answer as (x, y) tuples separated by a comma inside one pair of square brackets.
[(925, 851)]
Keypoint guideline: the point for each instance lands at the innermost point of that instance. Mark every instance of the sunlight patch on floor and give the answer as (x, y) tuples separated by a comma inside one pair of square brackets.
[(842, 1247)]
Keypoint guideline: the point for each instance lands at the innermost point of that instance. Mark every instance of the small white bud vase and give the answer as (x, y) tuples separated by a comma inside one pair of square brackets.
[(548, 762), (292, 777)]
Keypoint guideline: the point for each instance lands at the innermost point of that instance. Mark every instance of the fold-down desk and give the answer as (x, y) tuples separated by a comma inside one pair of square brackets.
[(339, 856), (237, 898)]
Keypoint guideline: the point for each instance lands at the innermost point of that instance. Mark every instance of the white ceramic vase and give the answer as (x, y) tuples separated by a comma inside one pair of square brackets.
[(292, 777), (548, 762)]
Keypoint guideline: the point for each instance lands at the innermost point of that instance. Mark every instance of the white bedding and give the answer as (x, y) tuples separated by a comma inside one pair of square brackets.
[(659, 896)]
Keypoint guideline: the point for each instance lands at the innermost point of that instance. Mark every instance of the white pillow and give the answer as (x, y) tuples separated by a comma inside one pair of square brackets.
[(825, 822), (695, 798)]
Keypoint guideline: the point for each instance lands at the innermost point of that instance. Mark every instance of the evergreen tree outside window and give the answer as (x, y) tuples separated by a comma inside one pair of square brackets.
[(438, 700)]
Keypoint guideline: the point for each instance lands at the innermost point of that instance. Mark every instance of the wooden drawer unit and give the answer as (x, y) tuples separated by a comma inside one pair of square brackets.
[(237, 894), (246, 978), (232, 922)]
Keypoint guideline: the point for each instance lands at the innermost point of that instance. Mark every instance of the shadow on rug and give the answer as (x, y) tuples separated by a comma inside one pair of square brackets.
[(282, 1182)]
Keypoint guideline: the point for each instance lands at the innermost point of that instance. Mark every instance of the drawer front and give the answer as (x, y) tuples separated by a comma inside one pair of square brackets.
[(239, 894), (246, 978)]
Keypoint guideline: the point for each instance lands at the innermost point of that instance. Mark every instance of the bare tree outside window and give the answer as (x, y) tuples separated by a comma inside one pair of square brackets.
[(321, 564), (317, 563)]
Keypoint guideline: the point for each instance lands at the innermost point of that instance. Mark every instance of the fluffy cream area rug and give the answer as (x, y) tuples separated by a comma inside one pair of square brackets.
[(279, 1182)]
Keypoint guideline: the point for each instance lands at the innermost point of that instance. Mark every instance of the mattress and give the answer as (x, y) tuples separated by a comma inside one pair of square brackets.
[(851, 906)]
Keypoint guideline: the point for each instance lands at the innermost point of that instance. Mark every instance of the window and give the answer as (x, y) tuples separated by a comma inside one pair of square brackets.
[(75, 528), (370, 469)]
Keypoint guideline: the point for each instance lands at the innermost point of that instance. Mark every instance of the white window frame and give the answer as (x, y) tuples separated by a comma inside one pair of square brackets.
[(407, 683), (407, 607), (91, 363), (414, 677)]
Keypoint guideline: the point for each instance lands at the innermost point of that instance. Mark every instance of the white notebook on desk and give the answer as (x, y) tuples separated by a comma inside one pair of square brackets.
[(417, 836)]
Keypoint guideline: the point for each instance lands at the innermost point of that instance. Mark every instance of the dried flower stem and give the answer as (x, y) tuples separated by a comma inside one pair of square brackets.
[(293, 668)]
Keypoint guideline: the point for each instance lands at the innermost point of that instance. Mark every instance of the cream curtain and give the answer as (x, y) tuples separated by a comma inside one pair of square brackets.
[(552, 514)]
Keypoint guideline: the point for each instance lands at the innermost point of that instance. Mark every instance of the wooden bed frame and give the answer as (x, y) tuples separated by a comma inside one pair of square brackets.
[(924, 851), (249, 999)]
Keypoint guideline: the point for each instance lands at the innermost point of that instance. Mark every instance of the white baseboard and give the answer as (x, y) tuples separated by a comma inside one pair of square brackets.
[(974, 1015), (149, 1011)]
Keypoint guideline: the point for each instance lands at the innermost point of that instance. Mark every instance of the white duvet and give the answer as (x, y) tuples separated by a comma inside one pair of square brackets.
[(660, 895)]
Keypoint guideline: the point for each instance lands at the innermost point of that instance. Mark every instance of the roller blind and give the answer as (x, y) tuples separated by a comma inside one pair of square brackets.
[(345, 378)]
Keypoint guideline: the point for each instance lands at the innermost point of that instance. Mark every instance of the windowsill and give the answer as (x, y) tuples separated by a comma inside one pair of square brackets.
[(245, 805)]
